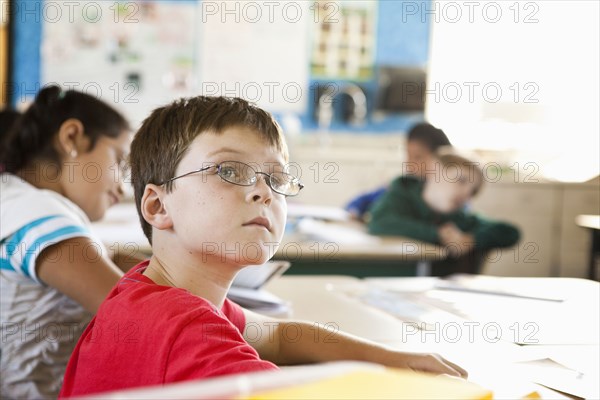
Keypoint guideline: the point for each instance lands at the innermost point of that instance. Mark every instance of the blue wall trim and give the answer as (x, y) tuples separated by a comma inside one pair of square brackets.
[(27, 29), (402, 34)]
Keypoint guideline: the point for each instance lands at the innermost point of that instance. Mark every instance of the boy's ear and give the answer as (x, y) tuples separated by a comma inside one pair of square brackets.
[(153, 207)]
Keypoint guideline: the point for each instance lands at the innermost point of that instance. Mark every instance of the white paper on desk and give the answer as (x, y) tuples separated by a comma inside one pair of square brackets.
[(521, 320), (497, 286), (409, 307), (525, 321), (548, 373), (340, 234), (581, 358)]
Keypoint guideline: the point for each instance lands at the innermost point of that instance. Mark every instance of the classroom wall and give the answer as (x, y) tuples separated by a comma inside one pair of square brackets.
[(402, 39)]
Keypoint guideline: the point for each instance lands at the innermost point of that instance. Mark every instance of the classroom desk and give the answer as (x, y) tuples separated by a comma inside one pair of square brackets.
[(592, 222), (343, 246), (363, 255), (295, 247), (510, 370)]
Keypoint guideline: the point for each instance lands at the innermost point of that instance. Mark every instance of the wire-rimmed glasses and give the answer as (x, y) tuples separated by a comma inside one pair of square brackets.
[(242, 174)]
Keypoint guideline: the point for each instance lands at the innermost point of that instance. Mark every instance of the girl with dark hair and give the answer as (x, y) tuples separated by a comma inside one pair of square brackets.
[(61, 163), (8, 116)]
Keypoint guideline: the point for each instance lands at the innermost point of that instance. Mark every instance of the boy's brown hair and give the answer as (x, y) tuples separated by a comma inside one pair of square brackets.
[(450, 158), (165, 136)]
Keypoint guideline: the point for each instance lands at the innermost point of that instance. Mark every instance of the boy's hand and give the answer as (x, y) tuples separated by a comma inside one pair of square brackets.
[(432, 363), (335, 346), (456, 241)]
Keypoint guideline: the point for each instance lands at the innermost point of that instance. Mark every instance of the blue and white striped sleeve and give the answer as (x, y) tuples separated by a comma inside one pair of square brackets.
[(19, 251)]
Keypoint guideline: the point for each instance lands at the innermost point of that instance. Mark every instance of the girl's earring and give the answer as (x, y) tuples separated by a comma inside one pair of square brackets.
[(73, 153)]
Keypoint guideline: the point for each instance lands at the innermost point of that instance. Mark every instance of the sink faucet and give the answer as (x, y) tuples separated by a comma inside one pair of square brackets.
[(325, 104)]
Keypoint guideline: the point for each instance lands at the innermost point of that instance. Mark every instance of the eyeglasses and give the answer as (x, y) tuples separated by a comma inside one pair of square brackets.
[(242, 174)]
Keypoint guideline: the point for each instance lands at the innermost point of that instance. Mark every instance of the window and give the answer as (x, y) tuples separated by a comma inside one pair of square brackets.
[(521, 77)]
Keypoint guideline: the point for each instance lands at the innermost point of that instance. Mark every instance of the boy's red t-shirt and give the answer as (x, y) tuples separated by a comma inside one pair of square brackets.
[(148, 334)]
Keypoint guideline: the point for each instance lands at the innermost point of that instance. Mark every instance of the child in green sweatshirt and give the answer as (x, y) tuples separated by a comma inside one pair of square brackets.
[(432, 211)]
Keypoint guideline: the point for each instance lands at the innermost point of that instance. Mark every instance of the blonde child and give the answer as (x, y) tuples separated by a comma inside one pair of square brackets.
[(422, 142), (433, 211)]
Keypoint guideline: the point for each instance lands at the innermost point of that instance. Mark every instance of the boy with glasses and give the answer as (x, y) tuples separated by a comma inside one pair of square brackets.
[(210, 183)]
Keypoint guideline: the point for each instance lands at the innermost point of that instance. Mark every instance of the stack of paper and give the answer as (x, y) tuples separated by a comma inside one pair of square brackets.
[(548, 373), (246, 289), (258, 300)]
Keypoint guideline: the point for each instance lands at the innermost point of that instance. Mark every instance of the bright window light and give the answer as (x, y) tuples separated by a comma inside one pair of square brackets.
[(519, 77)]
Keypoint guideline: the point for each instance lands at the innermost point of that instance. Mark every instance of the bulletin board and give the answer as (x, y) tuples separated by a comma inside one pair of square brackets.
[(134, 55), (139, 55), (343, 39), (142, 54)]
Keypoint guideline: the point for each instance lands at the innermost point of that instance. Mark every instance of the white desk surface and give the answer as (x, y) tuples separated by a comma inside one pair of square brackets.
[(500, 366)]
